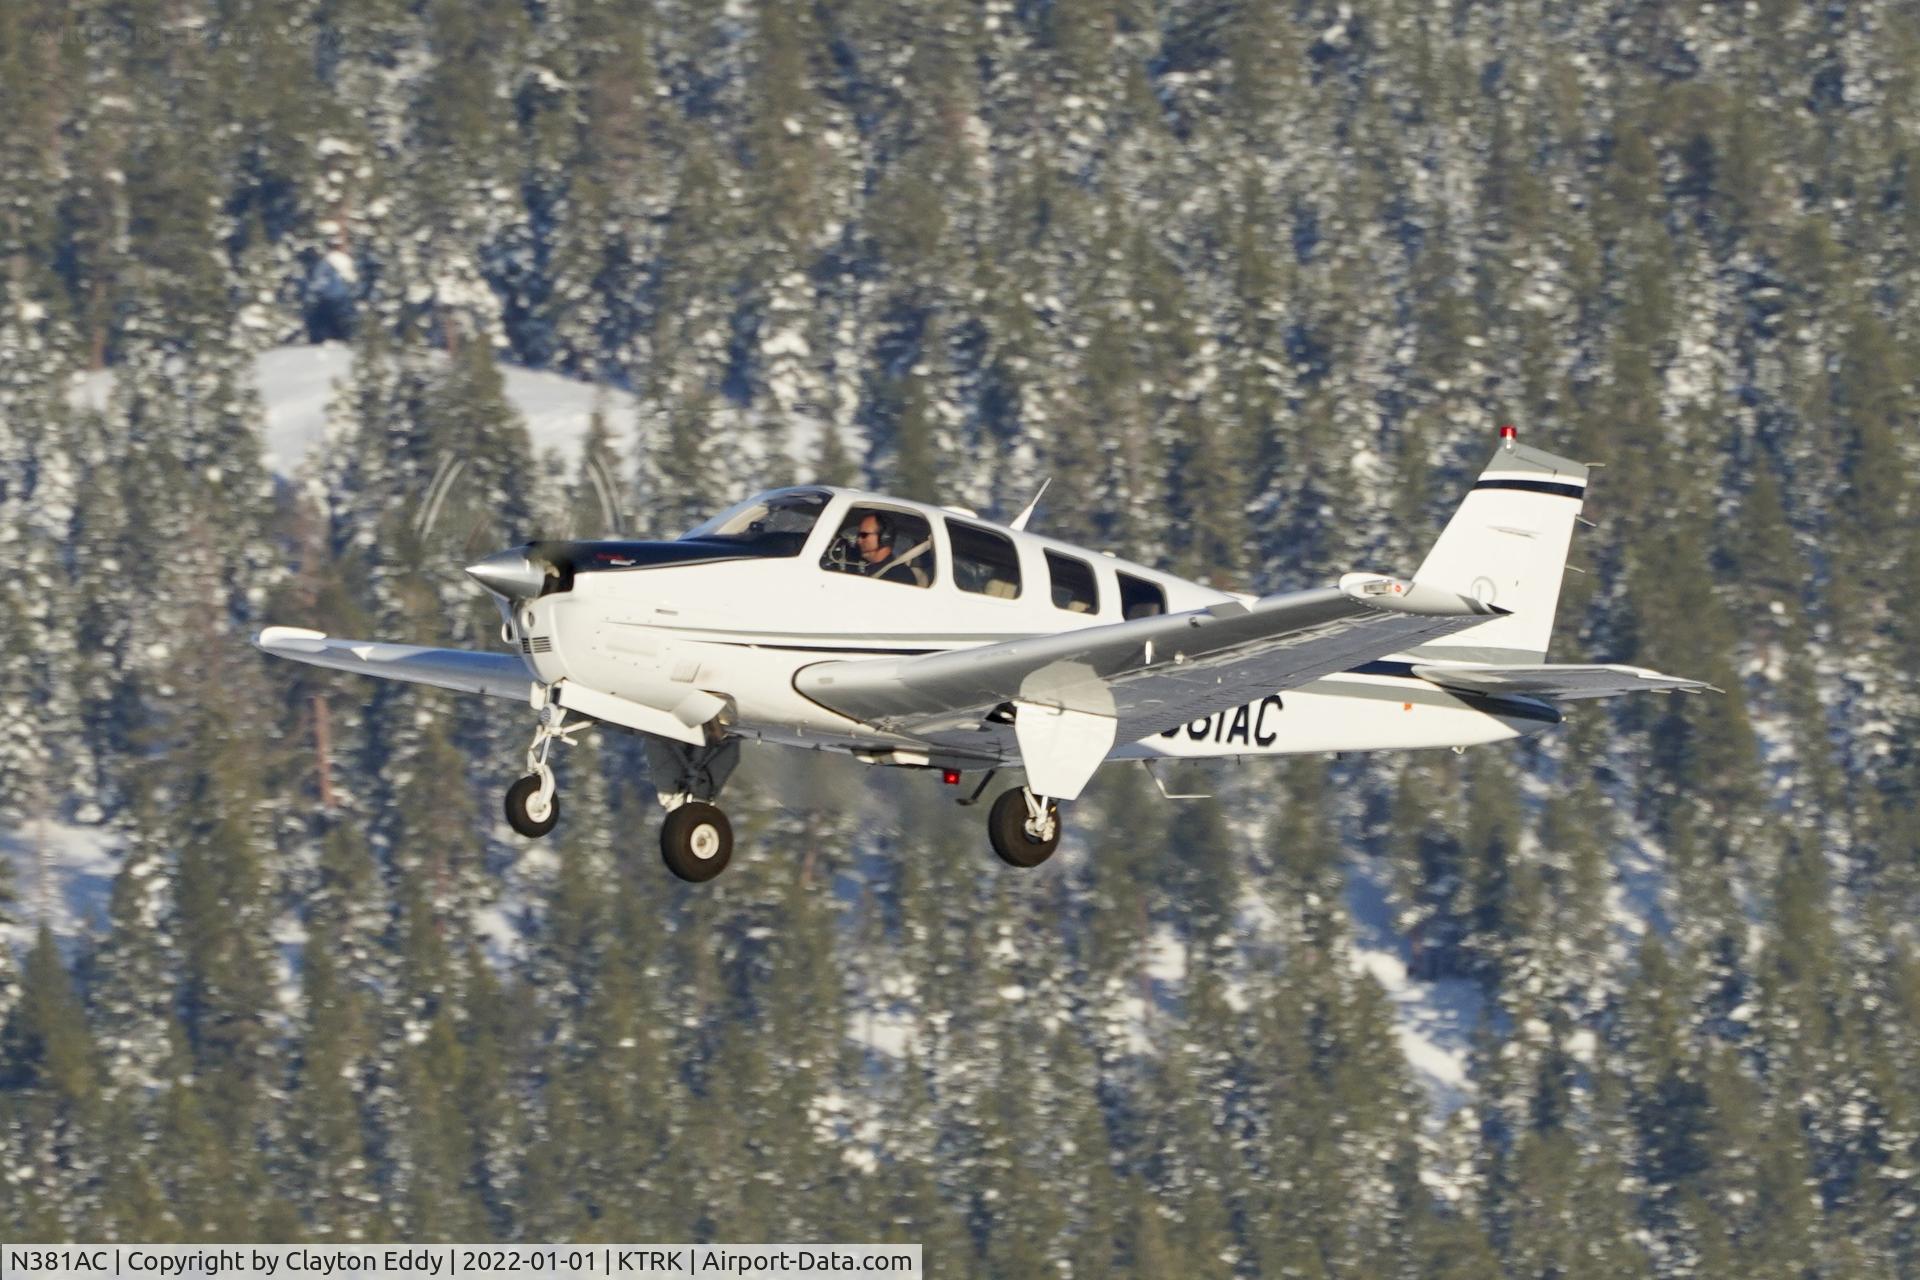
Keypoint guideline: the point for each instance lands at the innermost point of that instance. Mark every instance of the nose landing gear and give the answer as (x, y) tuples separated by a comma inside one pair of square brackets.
[(533, 806)]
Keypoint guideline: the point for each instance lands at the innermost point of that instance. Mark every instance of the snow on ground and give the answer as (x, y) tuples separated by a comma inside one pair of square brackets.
[(1636, 895), (892, 1032), (1434, 1020), (63, 875), (297, 383), (1779, 753), (1166, 957), (888, 1026), (289, 947), (499, 935)]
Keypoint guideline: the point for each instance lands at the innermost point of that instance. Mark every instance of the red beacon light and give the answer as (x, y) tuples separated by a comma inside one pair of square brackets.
[(1508, 436), (950, 776)]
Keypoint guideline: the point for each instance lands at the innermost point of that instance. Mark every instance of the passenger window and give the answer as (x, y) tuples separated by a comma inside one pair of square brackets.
[(984, 562), (1074, 588), (878, 542), (1140, 598)]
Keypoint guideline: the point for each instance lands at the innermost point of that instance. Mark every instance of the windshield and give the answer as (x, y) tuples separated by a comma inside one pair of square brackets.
[(773, 524)]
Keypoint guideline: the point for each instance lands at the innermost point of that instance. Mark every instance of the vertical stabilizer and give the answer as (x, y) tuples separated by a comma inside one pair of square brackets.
[(1507, 546)]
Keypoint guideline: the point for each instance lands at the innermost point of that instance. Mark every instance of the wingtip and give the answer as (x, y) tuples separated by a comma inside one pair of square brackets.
[(267, 637), (1398, 595), (1680, 684)]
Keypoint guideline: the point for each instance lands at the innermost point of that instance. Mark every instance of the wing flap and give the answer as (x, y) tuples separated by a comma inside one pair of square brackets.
[(1563, 681), (498, 675)]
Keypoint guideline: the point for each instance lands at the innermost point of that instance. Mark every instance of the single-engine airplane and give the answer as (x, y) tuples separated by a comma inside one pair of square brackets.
[(927, 637)]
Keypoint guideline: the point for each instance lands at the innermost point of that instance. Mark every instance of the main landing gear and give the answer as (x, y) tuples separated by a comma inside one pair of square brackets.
[(696, 840), (1024, 828)]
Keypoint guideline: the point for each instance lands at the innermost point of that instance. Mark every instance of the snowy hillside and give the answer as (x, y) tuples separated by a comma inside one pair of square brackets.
[(297, 385)]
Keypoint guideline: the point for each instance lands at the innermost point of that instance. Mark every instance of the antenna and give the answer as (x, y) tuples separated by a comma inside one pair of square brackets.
[(1019, 522)]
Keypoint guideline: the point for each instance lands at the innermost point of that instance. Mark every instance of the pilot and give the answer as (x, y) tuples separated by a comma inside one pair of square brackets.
[(873, 541)]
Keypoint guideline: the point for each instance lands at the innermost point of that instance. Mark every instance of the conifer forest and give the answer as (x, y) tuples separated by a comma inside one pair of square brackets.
[(1254, 283)]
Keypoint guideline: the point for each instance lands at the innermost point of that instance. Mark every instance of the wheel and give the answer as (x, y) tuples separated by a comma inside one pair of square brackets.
[(696, 841), (523, 799), (1007, 828)]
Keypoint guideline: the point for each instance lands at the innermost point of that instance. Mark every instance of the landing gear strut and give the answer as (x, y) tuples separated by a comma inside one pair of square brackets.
[(532, 804), (696, 840), (1024, 828)]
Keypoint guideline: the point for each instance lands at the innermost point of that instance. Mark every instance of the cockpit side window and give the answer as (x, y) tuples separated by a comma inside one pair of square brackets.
[(883, 543), (774, 525), (1074, 587), (1140, 598), (984, 562)]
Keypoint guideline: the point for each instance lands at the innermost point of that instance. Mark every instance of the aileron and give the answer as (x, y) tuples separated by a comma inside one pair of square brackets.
[(1562, 681)]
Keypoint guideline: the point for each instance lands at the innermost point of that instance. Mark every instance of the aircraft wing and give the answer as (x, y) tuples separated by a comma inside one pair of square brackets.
[(501, 675), (1076, 693), (1562, 681)]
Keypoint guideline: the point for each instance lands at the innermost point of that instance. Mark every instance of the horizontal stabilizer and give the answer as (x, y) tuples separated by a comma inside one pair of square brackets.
[(1565, 681), (465, 670)]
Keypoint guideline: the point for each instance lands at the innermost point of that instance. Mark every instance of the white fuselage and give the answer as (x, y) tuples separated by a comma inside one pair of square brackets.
[(743, 628)]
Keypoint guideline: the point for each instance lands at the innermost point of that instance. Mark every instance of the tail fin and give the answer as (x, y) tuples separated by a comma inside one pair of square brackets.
[(1507, 546)]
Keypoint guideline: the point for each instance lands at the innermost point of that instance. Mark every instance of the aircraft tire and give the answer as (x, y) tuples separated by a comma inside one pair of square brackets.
[(518, 796), (1007, 829), (696, 841)]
